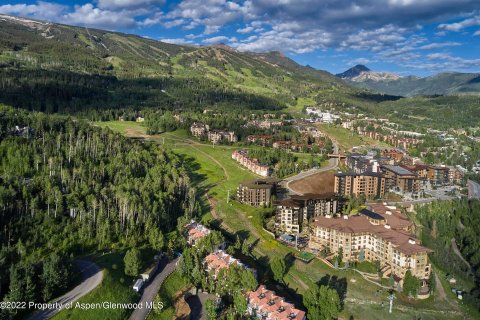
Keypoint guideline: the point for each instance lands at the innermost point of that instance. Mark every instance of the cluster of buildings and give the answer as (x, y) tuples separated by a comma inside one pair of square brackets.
[(200, 130), (256, 193), (323, 117), (253, 165), (294, 214), (394, 171), (381, 233), (262, 303), (265, 124)]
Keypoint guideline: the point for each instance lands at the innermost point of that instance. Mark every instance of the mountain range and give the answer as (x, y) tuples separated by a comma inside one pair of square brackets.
[(389, 83), (59, 68)]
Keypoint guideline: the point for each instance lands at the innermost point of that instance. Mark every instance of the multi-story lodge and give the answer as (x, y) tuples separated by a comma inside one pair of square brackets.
[(293, 213), (395, 154), (195, 231), (199, 129), (400, 179), (252, 164), (370, 184), (438, 175), (360, 163), (216, 136), (264, 304), (257, 192), (367, 236)]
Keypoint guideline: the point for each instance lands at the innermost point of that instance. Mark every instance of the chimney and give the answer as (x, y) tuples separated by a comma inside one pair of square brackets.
[(328, 216), (388, 212), (345, 217), (411, 241), (387, 226)]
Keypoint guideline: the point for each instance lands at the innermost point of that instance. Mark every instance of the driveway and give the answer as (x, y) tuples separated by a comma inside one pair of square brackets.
[(92, 276), (151, 289)]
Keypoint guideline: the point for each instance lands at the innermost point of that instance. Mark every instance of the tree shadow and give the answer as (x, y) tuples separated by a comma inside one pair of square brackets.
[(339, 284)]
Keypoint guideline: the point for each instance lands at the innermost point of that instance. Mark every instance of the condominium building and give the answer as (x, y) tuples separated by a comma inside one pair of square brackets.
[(359, 163), (195, 232), (369, 184), (438, 175), (219, 259), (293, 213), (264, 304), (216, 136), (252, 164), (368, 237), (257, 192), (395, 154), (199, 129), (400, 179)]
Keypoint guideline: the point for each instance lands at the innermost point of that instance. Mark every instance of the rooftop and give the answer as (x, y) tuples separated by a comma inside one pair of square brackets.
[(359, 224), (371, 214), (277, 308), (398, 170)]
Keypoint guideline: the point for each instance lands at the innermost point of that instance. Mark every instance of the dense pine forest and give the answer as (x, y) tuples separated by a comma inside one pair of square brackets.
[(68, 188), (456, 222)]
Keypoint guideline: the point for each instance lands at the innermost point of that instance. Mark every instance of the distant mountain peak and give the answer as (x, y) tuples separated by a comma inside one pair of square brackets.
[(360, 73), (353, 72)]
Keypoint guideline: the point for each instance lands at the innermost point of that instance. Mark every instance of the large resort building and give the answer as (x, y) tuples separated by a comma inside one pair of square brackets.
[(264, 304), (400, 179), (370, 184), (294, 213), (369, 236), (256, 193)]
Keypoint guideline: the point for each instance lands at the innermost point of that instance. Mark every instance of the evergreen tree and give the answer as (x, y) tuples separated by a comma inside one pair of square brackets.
[(132, 261)]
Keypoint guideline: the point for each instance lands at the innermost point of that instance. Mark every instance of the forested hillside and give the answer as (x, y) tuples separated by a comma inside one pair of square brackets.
[(68, 188), (51, 67), (455, 224)]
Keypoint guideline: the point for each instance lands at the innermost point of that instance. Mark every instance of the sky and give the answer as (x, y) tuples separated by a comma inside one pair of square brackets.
[(418, 37)]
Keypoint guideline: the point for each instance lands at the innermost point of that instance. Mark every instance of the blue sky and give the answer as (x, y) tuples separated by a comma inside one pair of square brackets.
[(420, 37)]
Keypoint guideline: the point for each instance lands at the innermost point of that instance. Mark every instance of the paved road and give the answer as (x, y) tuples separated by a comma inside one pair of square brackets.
[(332, 164), (197, 305), (473, 190), (92, 276), (151, 289)]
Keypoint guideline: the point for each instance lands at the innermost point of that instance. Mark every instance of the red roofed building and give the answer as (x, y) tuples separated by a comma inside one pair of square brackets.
[(266, 305), (195, 232), (219, 260)]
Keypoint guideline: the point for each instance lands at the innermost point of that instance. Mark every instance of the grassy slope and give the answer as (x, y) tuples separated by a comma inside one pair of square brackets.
[(362, 301), (348, 139), (116, 287)]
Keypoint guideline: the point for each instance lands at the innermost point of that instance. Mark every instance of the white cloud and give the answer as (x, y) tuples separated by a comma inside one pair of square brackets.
[(358, 61), (247, 29), (122, 4), (216, 39), (477, 33), (88, 15), (437, 45), (40, 10), (176, 41), (458, 26)]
